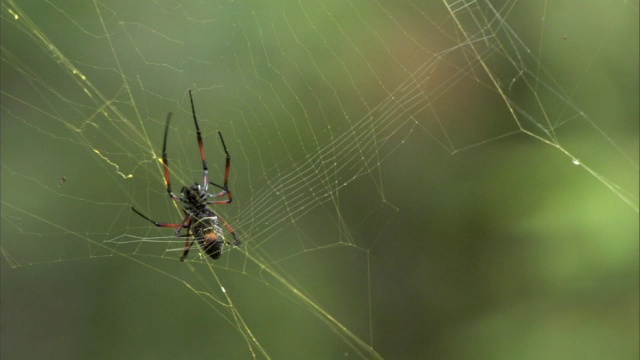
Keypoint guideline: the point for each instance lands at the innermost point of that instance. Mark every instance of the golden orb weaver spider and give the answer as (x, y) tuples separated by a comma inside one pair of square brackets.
[(202, 224)]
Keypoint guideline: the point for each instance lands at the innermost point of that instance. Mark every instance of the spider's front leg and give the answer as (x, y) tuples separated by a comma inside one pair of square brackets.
[(225, 186), (165, 161)]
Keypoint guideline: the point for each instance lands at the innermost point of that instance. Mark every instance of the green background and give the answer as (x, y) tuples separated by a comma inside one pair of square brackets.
[(375, 223)]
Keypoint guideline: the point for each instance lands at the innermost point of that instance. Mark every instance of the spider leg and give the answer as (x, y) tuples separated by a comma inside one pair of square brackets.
[(159, 224), (186, 223), (225, 186), (205, 168), (165, 161), (228, 163), (236, 240), (225, 191), (187, 248), (188, 236)]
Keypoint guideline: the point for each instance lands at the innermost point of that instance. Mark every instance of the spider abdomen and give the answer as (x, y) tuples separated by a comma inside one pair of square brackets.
[(208, 234)]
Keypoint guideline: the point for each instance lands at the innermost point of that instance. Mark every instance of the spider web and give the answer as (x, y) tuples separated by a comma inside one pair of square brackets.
[(391, 162)]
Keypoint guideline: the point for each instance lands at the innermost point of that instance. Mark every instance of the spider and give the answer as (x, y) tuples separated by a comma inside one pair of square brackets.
[(201, 223)]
